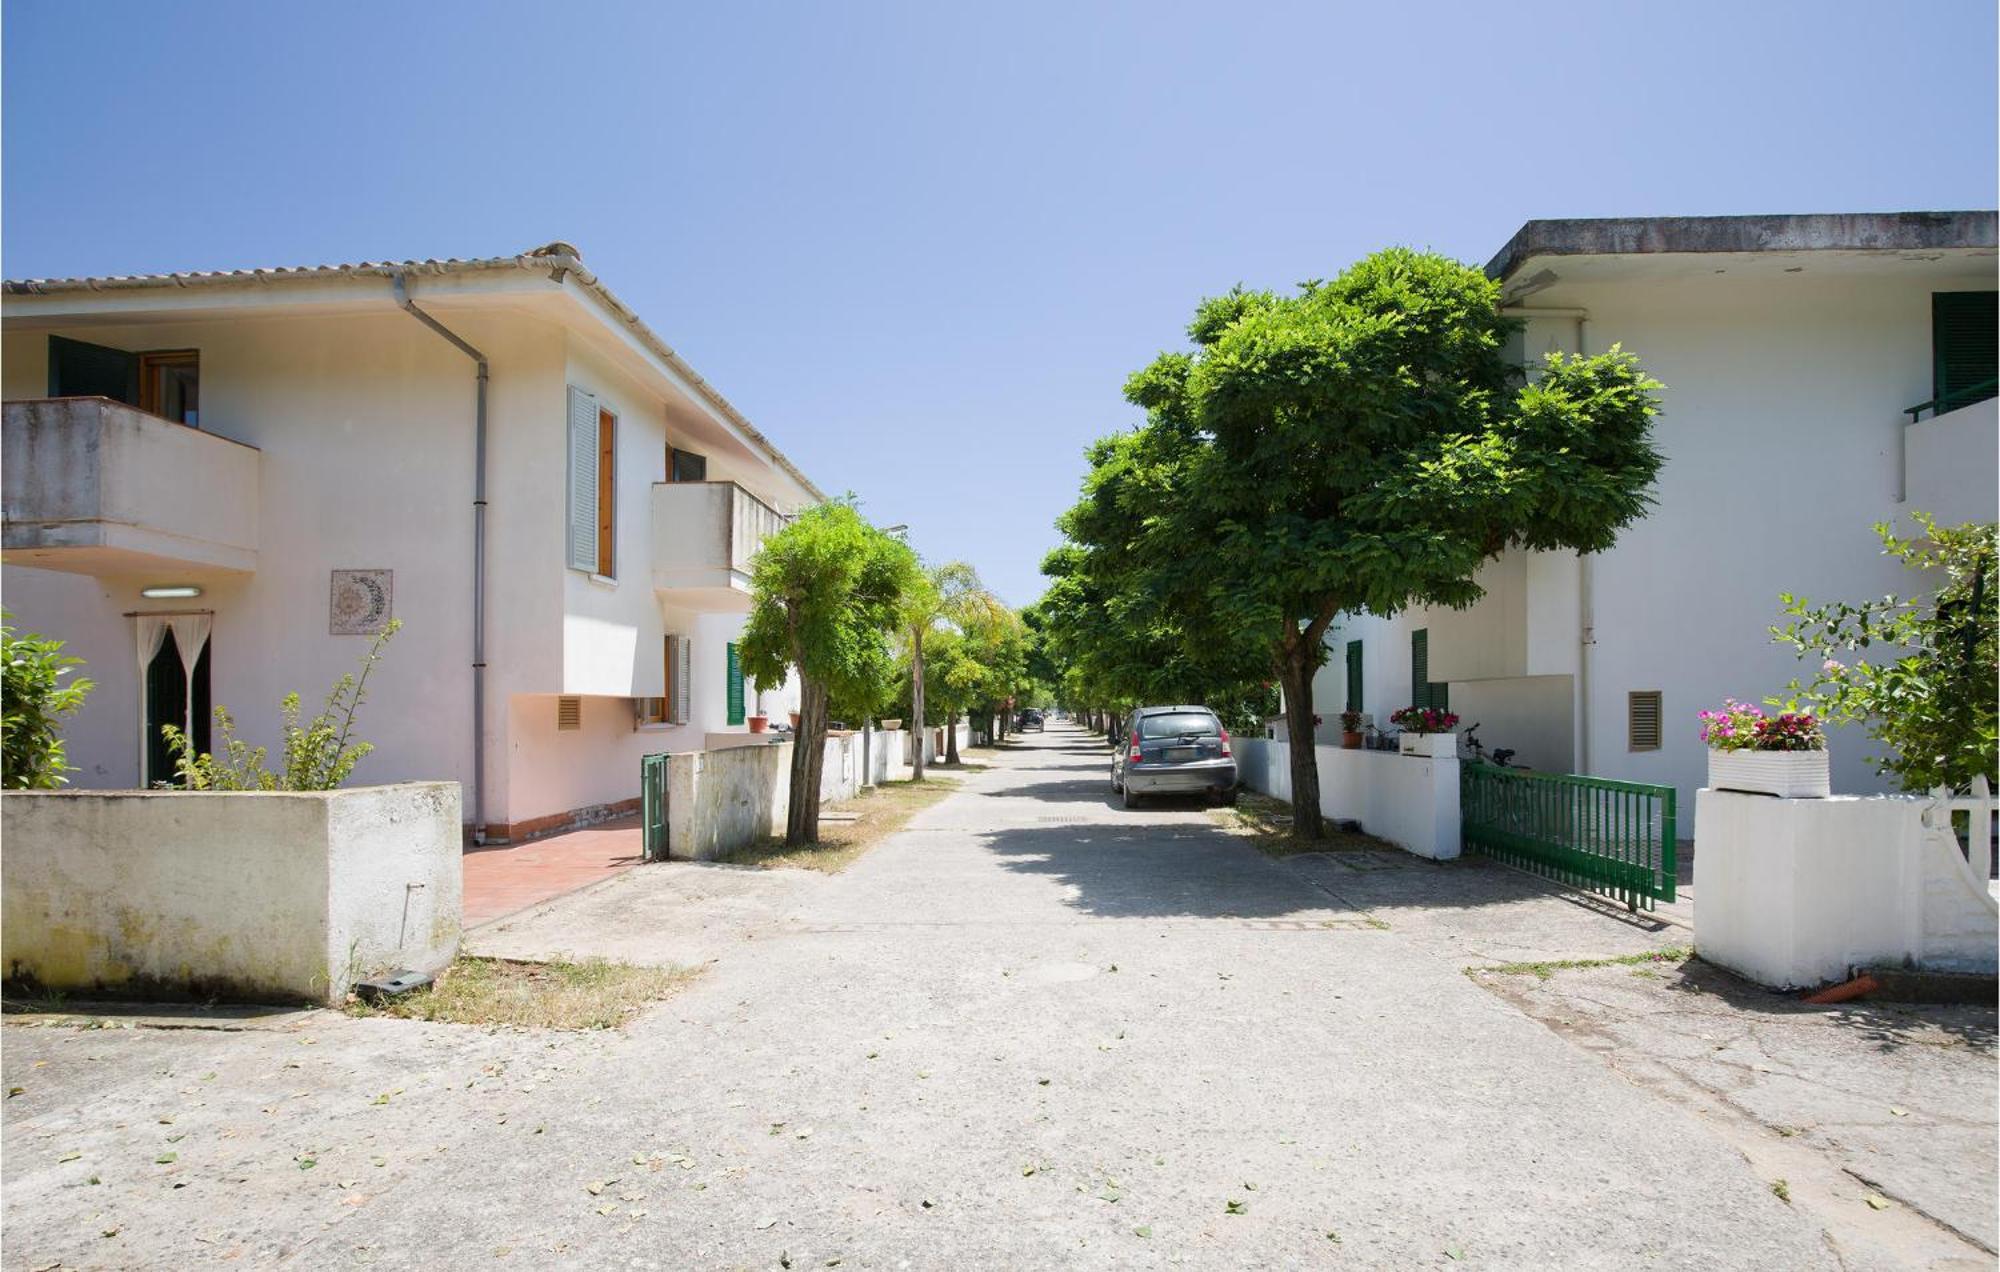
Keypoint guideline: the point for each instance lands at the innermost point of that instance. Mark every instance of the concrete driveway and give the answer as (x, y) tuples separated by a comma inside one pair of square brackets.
[(1030, 1030)]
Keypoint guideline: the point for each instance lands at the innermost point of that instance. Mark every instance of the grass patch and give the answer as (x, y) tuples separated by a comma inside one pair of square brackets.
[(1267, 822), (880, 811), (1675, 954), (592, 994)]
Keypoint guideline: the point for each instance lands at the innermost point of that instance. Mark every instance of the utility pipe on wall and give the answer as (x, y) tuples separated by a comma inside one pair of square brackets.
[(478, 555)]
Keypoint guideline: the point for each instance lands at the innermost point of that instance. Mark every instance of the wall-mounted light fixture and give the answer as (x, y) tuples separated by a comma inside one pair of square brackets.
[(177, 592)]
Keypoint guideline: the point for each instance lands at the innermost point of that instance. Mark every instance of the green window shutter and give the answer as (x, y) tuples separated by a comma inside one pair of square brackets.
[(1420, 668), (735, 685), (1354, 675), (79, 369), (1963, 357), (1425, 692)]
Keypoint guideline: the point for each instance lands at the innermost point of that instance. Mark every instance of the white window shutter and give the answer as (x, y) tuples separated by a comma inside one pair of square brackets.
[(683, 673), (582, 480)]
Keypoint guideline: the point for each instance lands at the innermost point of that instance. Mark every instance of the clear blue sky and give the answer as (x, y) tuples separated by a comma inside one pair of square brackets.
[(922, 245)]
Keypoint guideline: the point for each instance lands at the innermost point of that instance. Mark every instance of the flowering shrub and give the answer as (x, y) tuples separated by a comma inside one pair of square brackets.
[(1350, 722), (1424, 720), (1738, 726)]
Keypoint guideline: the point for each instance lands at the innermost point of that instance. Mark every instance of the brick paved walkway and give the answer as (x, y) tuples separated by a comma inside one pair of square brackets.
[(502, 880)]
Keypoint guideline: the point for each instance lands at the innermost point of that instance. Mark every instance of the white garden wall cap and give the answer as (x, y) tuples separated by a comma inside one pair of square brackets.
[(555, 259), (1792, 232)]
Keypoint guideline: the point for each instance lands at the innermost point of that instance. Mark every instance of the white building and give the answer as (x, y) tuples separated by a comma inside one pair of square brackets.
[(1795, 351), (301, 453)]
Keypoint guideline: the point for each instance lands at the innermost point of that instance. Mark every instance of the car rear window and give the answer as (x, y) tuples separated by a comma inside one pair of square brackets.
[(1173, 726)]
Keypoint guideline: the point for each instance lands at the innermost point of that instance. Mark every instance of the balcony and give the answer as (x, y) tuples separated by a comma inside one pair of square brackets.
[(1949, 461), (704, 535), (92, 486)]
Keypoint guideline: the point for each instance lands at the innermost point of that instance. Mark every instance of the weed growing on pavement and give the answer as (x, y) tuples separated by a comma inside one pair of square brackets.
[(1542, 970), (593, 994), (878, 813)]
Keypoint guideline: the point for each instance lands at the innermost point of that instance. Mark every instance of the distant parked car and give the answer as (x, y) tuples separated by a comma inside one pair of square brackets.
[(1174, 750), (1031, 719)]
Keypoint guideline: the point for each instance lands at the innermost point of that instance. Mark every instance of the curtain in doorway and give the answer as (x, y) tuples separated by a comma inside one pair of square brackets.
[(152, 634), (191, 633)]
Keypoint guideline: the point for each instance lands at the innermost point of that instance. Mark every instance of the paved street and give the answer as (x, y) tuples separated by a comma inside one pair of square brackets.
[(1030, 1030)]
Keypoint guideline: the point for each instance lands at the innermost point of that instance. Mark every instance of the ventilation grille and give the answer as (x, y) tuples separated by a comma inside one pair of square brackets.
[(569, 713), (1642, 719)]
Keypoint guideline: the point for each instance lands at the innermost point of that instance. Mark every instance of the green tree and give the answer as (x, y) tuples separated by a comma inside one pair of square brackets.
[(939, 595), (36, 695), (827, 597), (1362, 445), (1922, 684)]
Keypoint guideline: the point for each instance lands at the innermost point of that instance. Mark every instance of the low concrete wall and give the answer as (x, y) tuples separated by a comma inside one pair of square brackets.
[(1411, 801), (720, 801), (265, 896), (1795, 892), (887, 755), (934, 744)]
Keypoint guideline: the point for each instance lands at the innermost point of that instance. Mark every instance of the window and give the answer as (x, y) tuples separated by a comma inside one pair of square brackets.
[(593, 493), (569, 714), (733, 684), (1354, 676), (686, 466), (1179, 724), (1425, 692), (170, 385), (166, 382), (1642, 720), (1964, 361)]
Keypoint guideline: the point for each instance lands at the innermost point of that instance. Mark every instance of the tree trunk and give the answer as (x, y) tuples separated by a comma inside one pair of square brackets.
[(951, 738), (1295, 673), (917, 727), (808, 759)]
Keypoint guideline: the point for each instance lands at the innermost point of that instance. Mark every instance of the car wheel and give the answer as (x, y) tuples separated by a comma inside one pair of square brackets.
[(1226, 799), (1128, 798)]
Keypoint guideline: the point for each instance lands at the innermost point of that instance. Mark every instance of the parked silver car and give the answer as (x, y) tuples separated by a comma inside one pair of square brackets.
[(1181, 750)]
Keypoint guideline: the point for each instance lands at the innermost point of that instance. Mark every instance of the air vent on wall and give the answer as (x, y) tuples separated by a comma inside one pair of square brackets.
[(1642, 720), (569, 713)]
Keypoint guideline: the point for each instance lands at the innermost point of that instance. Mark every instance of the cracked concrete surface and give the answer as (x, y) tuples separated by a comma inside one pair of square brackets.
[(1029, 1030)]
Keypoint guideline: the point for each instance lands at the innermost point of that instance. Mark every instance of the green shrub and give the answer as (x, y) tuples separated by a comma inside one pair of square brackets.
[(36, 695), (318, 755)]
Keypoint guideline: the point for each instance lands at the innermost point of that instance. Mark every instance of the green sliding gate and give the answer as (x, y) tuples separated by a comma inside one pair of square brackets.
[(653, 805), (1616, 838)]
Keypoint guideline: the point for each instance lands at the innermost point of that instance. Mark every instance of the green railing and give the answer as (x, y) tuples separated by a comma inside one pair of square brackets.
[(1953, 400), (653, 805), (1605, 836)]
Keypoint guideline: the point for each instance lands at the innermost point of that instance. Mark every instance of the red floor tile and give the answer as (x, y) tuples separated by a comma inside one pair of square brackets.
[(501, 880)]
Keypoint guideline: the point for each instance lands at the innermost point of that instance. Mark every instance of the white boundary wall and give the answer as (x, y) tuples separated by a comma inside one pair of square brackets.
[(722, 800), (257, 896), (1411, 801), (1796, 892)]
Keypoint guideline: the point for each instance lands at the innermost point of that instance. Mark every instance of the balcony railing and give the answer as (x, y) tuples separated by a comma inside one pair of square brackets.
[(94, 486), (705, 536), (1951, 401)]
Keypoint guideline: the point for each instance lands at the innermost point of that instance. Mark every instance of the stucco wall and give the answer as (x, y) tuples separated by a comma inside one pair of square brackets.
[(1408, 800), (719, 801), (257, 896), (1796, 892)]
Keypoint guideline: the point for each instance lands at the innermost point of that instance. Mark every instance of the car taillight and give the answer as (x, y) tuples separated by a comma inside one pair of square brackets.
[(1137, 755), (1225, 742)]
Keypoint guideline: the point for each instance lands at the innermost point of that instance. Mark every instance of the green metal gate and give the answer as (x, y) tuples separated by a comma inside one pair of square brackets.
[(1605, 836), (653, 805)]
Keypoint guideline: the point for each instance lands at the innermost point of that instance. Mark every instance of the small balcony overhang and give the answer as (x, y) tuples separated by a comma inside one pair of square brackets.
[(92, 486), (705, 534)]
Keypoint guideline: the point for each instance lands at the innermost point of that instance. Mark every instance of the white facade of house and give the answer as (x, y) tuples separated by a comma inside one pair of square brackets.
[(363, 424), (1788, 375)]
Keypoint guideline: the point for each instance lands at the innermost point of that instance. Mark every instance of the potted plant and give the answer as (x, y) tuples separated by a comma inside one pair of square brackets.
[(758, 720), (795, 721), (1783, 755), (1350, 730), (1427, 731), (891, 723)]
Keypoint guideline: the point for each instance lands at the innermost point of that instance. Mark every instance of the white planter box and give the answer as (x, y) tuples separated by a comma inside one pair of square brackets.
[(1786, 774), (1429, 745)]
